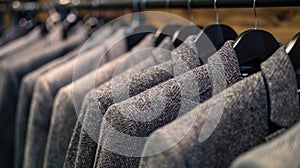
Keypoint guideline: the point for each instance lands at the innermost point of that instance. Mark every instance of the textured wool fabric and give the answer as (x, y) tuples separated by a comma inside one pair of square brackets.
[(142, 114), (214, 133), (18, 44), (48, 85), (12, 33), (98, 37), (67, 103), (12, 70), (24, 101), (183, 58), (26, 91), (281, 152), (157, 55)]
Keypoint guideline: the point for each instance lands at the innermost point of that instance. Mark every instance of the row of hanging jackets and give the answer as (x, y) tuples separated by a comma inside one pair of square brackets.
[(117, 99)]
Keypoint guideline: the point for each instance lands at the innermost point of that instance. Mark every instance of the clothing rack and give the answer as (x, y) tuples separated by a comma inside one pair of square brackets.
[(194, 4), (129, 4)]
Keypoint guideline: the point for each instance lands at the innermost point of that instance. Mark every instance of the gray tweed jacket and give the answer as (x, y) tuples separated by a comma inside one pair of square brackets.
[(214, 133), (24, 102), (281, 152), (27, 86), (44, 93), (67, 103), (140, 115), (12, 69), (157, 55), (183, 58)]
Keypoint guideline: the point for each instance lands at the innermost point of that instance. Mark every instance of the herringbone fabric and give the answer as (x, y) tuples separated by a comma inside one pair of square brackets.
[(49, 84), (67, 103), (87, 152), (12, 69), (230, 123), (142, 114), (281, 152)]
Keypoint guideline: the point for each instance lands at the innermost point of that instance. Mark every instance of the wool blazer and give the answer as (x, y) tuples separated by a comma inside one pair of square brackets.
[(214, 133)]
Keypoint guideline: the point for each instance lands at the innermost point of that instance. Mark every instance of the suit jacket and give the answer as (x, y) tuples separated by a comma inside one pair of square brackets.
[(155, 56), (12, 70), (48, 85), (67, 104), (283, 151), (26, 91), (24, 101), (12, 33), (183, 58), (230, 123), (142, 114), (19, 44)]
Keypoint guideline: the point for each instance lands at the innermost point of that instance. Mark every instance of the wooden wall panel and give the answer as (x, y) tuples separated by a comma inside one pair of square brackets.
[(283, 23)]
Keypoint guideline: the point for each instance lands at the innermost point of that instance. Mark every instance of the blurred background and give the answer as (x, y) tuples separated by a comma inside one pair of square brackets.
[(282, 22)]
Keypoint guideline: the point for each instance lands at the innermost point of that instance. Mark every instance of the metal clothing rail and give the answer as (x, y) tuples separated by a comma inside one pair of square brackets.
[(194, 4), (128, 4)]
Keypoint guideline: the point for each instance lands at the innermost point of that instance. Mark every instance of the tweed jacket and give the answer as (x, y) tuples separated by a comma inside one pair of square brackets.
[(214, 133), (157, 55), (281, 152), (12, 69), (67, 103), (142, 114), (49, 84)]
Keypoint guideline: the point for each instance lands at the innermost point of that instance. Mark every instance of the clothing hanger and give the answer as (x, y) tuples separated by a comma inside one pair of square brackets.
[(94, 22), (139, 28), (70, 21), (216, 35), (27, 19), (254, 46), (181, 34), (293, 50), (168, 30)]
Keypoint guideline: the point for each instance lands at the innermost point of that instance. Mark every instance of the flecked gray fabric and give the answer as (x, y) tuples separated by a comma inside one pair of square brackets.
[(12, 70), (157, 55), (26, 91), (19, 44), (281, 152), (230, 123), (48, 85), (98, 37), (183, 58), (68, 103), (142, 114), (12, 33), (24, 101)]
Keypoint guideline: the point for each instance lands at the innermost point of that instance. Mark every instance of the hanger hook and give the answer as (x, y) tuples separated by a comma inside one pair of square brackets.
[(190, 10), (136, 15), (135, 5), (143, 4), (255, 14), (167, 4), (217, 12)]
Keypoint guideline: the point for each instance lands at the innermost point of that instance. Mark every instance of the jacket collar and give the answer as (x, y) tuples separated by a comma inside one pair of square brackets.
[(281, 85)]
